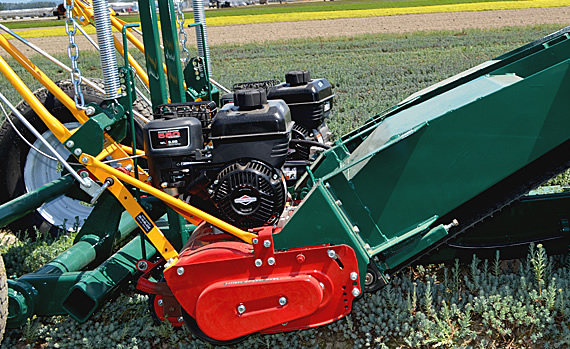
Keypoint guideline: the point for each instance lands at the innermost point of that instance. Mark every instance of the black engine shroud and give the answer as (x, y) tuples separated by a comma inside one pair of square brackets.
[(237, 176)]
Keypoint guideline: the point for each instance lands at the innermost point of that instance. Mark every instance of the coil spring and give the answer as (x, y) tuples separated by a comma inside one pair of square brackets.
[(106, 49), (200, 17)]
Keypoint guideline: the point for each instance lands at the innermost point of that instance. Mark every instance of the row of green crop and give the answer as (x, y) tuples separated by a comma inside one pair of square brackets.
[(293, 7)]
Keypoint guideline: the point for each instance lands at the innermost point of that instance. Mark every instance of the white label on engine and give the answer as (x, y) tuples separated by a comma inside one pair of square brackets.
[(327, 106), (290, 172), (245, 200)]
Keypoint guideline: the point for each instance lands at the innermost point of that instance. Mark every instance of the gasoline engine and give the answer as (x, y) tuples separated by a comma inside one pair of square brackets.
[(236, 162)]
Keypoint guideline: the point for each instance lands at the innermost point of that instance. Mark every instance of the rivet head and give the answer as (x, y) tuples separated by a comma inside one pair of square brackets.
[(241, 308), (271, 261), (78, 151), (353, 276), (266, 243), (258, 263), (331, 254), (254, 241), (69, 144), (160, 302), (180, 271), (355, 292), (282, 301)]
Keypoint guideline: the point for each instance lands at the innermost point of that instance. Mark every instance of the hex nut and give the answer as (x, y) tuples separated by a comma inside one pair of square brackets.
[(353, 276), (241, 308), (180, 271), (282, 301), (266, 243), (270, 260), (258, 263), (355, 292)]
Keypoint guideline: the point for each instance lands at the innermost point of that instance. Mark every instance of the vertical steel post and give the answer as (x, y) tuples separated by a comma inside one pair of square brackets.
[(171, 51), (151, 40)]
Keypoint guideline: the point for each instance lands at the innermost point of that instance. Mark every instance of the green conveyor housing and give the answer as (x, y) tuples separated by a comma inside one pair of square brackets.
[(460, 149)]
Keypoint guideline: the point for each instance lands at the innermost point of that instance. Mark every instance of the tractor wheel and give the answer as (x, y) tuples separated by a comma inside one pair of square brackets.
[(3, 298), (23, 169)]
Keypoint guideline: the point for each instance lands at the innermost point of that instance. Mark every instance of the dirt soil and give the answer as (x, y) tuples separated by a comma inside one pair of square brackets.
[(247, 33)]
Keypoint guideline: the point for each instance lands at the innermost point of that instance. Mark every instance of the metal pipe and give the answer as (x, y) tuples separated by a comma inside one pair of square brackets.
[(22, 205), (38, 135), (200, 17), (106, 49), (54, 125), (86, 296), (50, 57)]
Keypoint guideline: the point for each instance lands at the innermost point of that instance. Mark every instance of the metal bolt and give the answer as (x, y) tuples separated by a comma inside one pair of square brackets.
[(142, 265), (108, 128), (369, 279), (82, 18), (180, 270), (258, 263), (271, 261), (181, 319), (69, 144), (353, 276), (254, 241), (84, 174), (275, 176), (90, 110), (160, 302), (300, 258), (356, 229), (327, 185), (338, 202), (216, 181), (241, 308), (355, 292), (78, 151), (332, 254), (282, 301), (284, 324), (85, 159), (266, 243), (367, 247)]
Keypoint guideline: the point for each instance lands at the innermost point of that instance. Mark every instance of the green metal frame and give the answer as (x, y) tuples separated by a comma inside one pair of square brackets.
[(500, 118)]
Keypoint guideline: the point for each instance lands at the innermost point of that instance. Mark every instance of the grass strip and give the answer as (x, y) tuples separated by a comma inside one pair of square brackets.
[(293, 16)]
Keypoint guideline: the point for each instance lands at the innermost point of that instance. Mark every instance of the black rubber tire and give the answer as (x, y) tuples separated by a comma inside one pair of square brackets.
[(13, 150), (3, 298)]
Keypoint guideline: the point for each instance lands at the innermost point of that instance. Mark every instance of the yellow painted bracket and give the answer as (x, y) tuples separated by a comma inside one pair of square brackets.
[(191, 212)]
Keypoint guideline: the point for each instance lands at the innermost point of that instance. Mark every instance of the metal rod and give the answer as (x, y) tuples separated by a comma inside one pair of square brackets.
[(24, 204), (44, 141), (220, 86), (86, 35), (50, 57)]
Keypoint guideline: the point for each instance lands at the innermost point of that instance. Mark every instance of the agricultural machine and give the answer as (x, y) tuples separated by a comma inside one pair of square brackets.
[(235, 210)]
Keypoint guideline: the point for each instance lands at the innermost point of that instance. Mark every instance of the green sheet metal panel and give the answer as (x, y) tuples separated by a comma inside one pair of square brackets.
[(435, 151)]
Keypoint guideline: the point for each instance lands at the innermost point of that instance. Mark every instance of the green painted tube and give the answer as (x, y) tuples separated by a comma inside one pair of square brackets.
[(27, 203), (87, 295)]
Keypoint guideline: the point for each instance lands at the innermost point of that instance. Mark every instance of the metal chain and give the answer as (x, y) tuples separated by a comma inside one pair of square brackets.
[(182, 37), (73, 53)]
